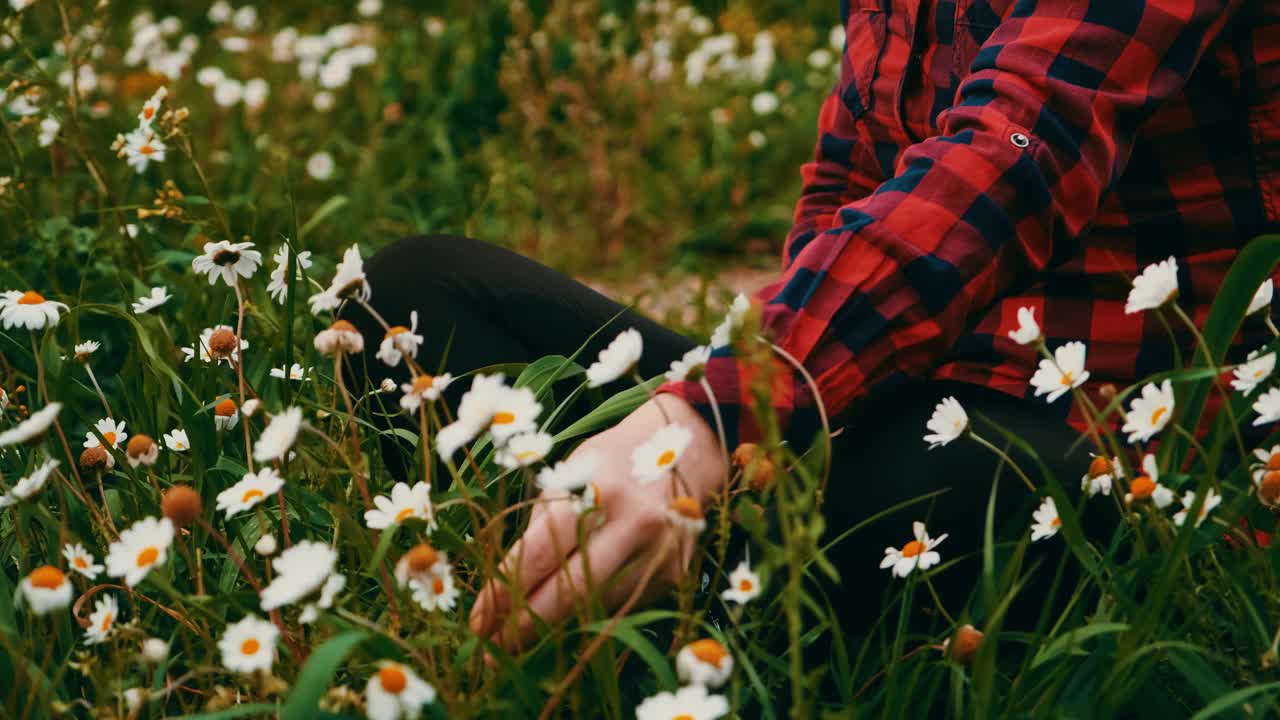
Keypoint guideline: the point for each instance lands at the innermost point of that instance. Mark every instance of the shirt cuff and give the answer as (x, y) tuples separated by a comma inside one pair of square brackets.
[(730, 387)]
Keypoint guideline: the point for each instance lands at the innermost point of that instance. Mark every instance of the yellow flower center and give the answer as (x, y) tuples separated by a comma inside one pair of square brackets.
[(437, 586), (405, 513), (1273, 462), (683, 716), (110, 437), (1056, 522), (745, 585), (31, 297), (1160, 411), (528, 456), (251, 494), (226, 408), (147, 149), (106, 622), (1099, 466), (397, 330), (1142, 487), (48, 577), (1067, 379), (503, 417), (423, 383), (912, 549), (666, 458), (687, 507), (148, 112), (80, 563), (708, 651), (148, 556), (250, 646), (392, 678)]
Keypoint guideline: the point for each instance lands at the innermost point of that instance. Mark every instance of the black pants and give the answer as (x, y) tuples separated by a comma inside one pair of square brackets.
[(494, 306)]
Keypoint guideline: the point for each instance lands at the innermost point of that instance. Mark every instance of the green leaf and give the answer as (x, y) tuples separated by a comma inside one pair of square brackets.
[(610, 411), (331, 206), (626, 630), (1073, 639), (1232, 699), (316, 675)]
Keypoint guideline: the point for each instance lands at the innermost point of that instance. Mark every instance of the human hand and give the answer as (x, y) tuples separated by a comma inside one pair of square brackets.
[(546, 566)]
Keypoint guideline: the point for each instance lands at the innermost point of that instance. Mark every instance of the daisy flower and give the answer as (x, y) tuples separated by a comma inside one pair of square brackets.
[(1046, 520), (33, 428), (29, 485), (83, 350), (400, 341), (656, 457), (49, 128), (1147, 486), (918, 553), (1267, 406), (226, 260), (704, 662), (1268, 461), (300, 571), (1100, 475), (203, 351), (1211, 500), (249, 645), (421, 562), (1058, 376), (328, 593), (177, 440), (140, 148), (225, 414), (46, 589), (147, 303), (395, 692), (949, 421), (435, 592), (112, 431), (280, 435), (278, 288), (685, 514), (341, 336), (141, 547), (1156, 286), (1150, 413), (1251, 373), (616, 360), (405, 503), (151, 108), (296, 372), (524, 449), (250, 490), (141, 450), (28, 310), (103, 619), (81, 560), (348, 281), (1028, 330), (692, 367), (722, 336), (423, 388), (693, 702), (744, 585), (569, 475), (490, 404), (1261, 298)]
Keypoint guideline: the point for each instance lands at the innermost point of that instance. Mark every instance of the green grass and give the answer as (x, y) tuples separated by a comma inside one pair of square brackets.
[(534, 126)]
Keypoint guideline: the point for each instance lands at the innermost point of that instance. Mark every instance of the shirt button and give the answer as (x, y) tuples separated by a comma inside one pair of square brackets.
[(1019, 140)]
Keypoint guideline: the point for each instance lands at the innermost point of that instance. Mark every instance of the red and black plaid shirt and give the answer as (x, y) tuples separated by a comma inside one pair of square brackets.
[(978, 156)]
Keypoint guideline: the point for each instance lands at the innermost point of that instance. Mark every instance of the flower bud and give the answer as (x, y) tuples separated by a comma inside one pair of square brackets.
[(223, 344), (963, 646), (141, 450), (95, 459), (1269, 488), (266, 545), (154, 650), (181, 505)]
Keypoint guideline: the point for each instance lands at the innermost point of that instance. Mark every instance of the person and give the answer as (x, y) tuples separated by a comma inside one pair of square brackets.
[(976, 157)]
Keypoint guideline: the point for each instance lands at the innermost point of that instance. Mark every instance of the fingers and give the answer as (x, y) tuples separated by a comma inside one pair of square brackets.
[(549, 539), (662, 573)]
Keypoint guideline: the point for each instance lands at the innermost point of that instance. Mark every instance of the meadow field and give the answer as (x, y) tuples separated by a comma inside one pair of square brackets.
[(195, 515)]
